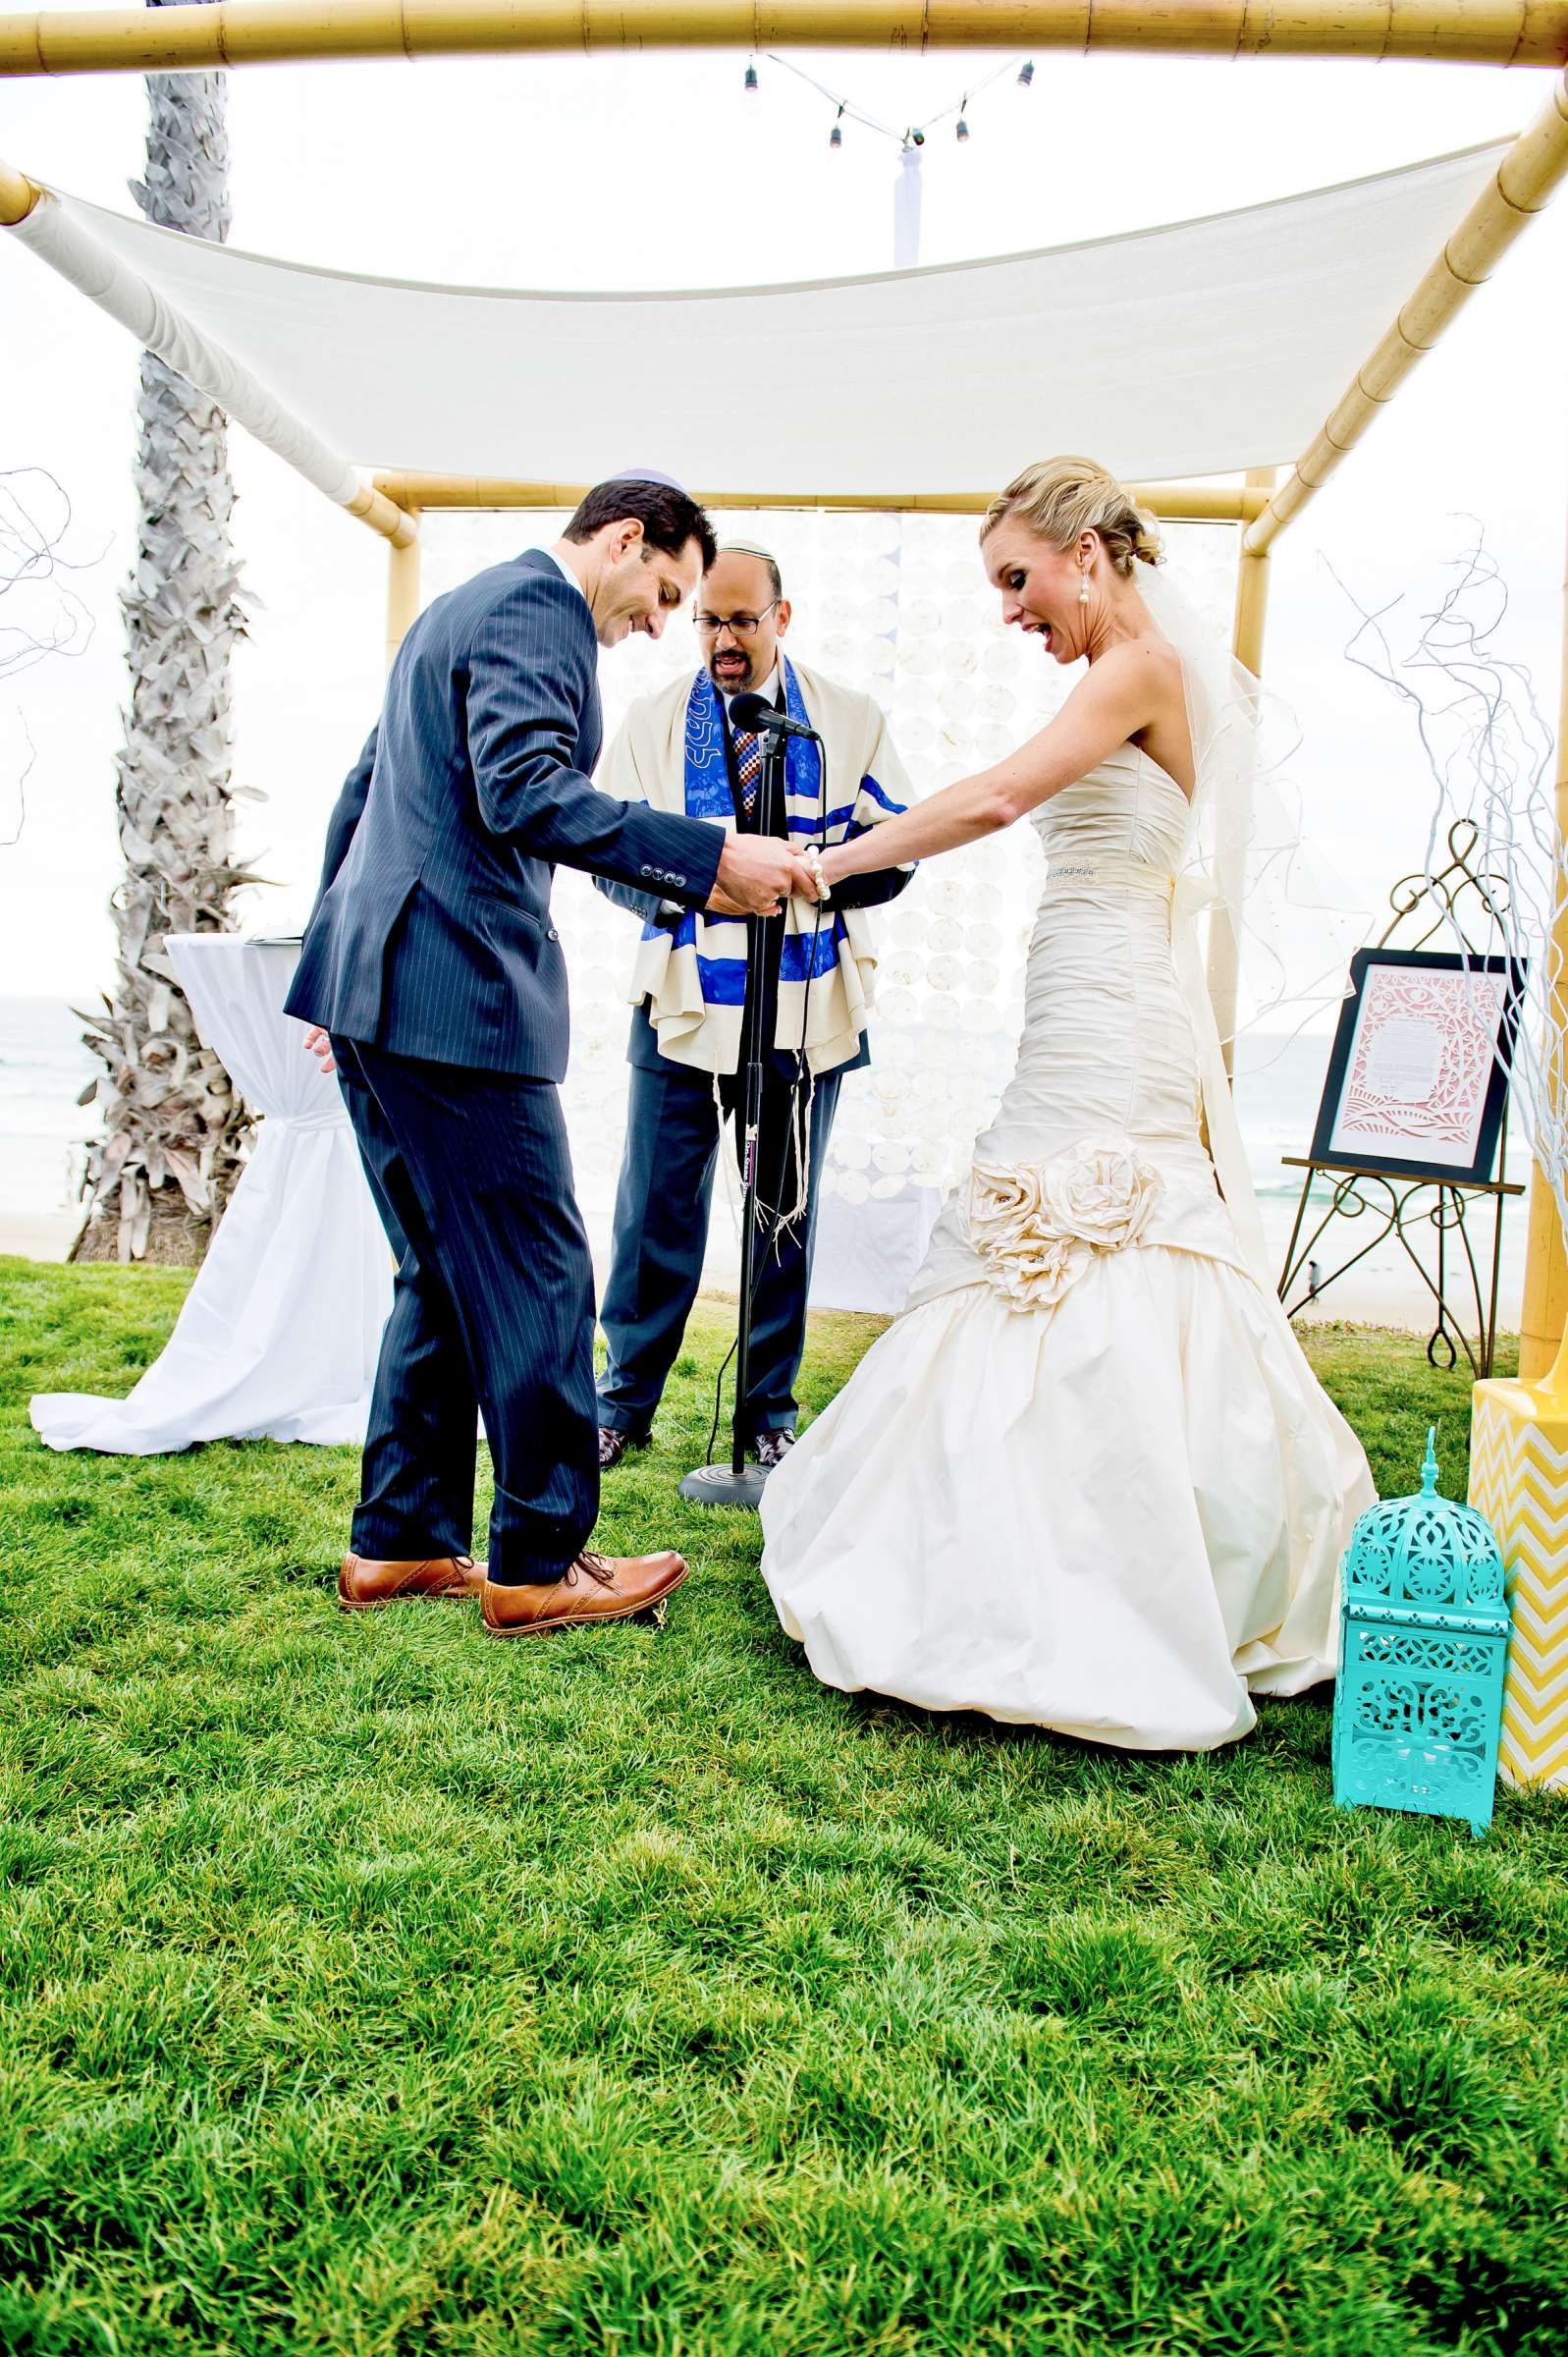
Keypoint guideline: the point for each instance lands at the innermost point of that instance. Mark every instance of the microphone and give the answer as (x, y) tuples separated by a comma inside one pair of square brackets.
[(754, 712)]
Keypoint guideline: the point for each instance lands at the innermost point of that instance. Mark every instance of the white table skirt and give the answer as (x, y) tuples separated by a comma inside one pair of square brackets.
[(867, 1254), (279, 1334)]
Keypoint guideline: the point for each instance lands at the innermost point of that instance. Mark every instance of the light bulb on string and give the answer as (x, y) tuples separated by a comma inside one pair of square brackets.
[(750, 85), (835, 135), (962, 133), (1026, 72)]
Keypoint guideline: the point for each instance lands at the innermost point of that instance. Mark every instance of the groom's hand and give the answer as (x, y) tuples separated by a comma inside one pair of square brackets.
[(757, 873), (319, 1045)]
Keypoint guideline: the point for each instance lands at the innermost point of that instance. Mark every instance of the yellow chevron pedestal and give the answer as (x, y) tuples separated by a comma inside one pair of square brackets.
[(1519, 1480)]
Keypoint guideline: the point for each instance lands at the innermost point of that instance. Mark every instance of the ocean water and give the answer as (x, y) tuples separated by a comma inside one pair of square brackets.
[(1278, 1083), (43, 1135), (43, 1132)]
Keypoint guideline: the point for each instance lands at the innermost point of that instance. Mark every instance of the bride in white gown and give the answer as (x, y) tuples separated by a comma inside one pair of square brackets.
[(1087, 1479)]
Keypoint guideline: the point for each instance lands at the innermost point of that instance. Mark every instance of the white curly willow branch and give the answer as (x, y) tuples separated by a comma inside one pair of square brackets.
[(1489, 752), (41, 614)]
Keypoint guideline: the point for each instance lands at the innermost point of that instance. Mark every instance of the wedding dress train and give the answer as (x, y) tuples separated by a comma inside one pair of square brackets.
[(1087, 1479)]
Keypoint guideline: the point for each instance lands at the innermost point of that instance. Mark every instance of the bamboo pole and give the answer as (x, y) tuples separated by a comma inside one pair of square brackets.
[(383, 516), (1521, 186), (59, 240), (1246, 645), (1252, 585), (243, 32), (1177, 503), (403, 592), (18, 197), (1544, 1316)]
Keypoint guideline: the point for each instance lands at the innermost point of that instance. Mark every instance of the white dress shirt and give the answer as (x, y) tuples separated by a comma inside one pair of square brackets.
[(769, 689), (566, 572)]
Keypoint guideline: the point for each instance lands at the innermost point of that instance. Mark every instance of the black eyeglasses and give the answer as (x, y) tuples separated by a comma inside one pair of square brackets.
[(739, 625)]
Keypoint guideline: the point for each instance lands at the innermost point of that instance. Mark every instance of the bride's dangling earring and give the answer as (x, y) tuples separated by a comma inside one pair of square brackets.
[(1082, 586)]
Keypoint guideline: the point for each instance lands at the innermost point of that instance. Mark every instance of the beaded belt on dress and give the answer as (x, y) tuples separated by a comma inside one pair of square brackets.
[(1083, 874)]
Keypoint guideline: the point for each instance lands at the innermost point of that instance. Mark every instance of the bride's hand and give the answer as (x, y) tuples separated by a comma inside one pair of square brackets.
[(835, 866)]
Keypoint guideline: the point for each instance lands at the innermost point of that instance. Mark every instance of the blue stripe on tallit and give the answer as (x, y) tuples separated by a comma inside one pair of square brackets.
[(681, 935), (800, 959), (868, 785), (843, 816), (803, 763), (723, 980), (708, 793)]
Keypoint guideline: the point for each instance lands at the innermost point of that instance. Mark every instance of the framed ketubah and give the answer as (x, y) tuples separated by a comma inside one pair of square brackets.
[(1418, 1079)]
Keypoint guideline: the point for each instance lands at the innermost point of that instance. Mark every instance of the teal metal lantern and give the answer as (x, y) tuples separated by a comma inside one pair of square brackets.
[(1424, 1643)]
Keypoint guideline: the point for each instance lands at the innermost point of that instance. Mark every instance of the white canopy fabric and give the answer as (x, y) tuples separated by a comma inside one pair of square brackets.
[(1199, 348)]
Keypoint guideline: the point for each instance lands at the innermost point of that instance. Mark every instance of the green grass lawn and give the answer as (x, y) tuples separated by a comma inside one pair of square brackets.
[(369, 1988)]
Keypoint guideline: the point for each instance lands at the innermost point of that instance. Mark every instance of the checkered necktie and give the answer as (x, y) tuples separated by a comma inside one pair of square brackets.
[(748, 768)]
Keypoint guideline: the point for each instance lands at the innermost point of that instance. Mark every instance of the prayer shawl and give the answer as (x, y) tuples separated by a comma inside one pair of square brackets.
[(670, 755)]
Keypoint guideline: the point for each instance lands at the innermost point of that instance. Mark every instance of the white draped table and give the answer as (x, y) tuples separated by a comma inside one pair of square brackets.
[(867, 1252), (279, 1334)]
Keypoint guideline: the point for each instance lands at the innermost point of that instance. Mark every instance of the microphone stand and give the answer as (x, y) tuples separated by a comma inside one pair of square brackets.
[(738, 1483)]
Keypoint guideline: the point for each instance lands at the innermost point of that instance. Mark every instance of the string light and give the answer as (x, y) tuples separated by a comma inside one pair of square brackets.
[(913, 135)]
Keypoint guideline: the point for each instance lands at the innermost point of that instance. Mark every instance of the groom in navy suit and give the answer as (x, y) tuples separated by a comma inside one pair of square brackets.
[(431, 964)]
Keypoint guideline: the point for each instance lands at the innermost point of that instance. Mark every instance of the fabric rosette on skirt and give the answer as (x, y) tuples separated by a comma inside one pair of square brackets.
[(1036, 1226)]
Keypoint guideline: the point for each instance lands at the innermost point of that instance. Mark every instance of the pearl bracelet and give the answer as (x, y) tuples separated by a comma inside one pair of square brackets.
[(814, 863)]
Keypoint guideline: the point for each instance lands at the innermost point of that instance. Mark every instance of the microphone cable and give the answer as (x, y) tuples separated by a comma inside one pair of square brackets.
[(776, 1230)]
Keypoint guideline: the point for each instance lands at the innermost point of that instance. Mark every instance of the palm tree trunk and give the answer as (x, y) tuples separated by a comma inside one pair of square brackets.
[(172, 1128)]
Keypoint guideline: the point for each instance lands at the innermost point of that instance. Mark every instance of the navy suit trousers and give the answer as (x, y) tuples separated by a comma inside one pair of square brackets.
[(662, 1209), (491, 1315)]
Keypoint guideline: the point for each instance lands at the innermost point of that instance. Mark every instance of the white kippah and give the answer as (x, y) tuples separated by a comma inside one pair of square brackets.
[(746, 548)]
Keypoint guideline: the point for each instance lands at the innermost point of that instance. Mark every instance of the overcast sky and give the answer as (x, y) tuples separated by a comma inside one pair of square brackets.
[(655, 171)]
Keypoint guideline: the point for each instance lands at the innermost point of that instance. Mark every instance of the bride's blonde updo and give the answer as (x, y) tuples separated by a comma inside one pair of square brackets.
[(1060, 498)]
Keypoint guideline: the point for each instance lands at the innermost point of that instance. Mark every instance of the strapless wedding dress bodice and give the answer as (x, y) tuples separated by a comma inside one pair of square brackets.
[(1087, 1479), (1109, 1051)]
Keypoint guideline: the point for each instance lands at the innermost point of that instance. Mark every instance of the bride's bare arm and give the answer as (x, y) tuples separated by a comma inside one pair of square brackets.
[(1130, 687)]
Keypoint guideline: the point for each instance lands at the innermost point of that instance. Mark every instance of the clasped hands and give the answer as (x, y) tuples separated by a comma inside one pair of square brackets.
[(758, 873)]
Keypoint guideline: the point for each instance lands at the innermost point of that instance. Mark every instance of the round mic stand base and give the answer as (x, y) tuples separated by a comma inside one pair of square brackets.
[(721, 1485)]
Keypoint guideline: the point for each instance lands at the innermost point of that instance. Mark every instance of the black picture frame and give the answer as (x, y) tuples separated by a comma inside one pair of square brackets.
[(1479, 1172)]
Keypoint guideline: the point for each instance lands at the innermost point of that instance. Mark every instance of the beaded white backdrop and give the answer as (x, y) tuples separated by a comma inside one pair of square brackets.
[(898, 606)]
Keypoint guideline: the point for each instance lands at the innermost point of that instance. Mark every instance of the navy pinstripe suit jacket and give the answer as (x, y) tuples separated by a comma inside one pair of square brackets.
[(431, 934)]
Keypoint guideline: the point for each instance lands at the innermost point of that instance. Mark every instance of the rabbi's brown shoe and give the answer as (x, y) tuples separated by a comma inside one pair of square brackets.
[(615, 1441), (365, 1585), (596, 1587)]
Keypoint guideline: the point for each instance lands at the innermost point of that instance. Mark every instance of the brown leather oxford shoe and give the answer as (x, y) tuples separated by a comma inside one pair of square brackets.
[(596, 1587), (365, 1585)]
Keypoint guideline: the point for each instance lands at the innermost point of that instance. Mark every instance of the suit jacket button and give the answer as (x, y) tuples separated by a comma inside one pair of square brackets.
[(553, 934)]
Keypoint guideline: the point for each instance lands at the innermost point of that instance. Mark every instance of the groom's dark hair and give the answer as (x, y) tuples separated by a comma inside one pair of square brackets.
[(670, 517)]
